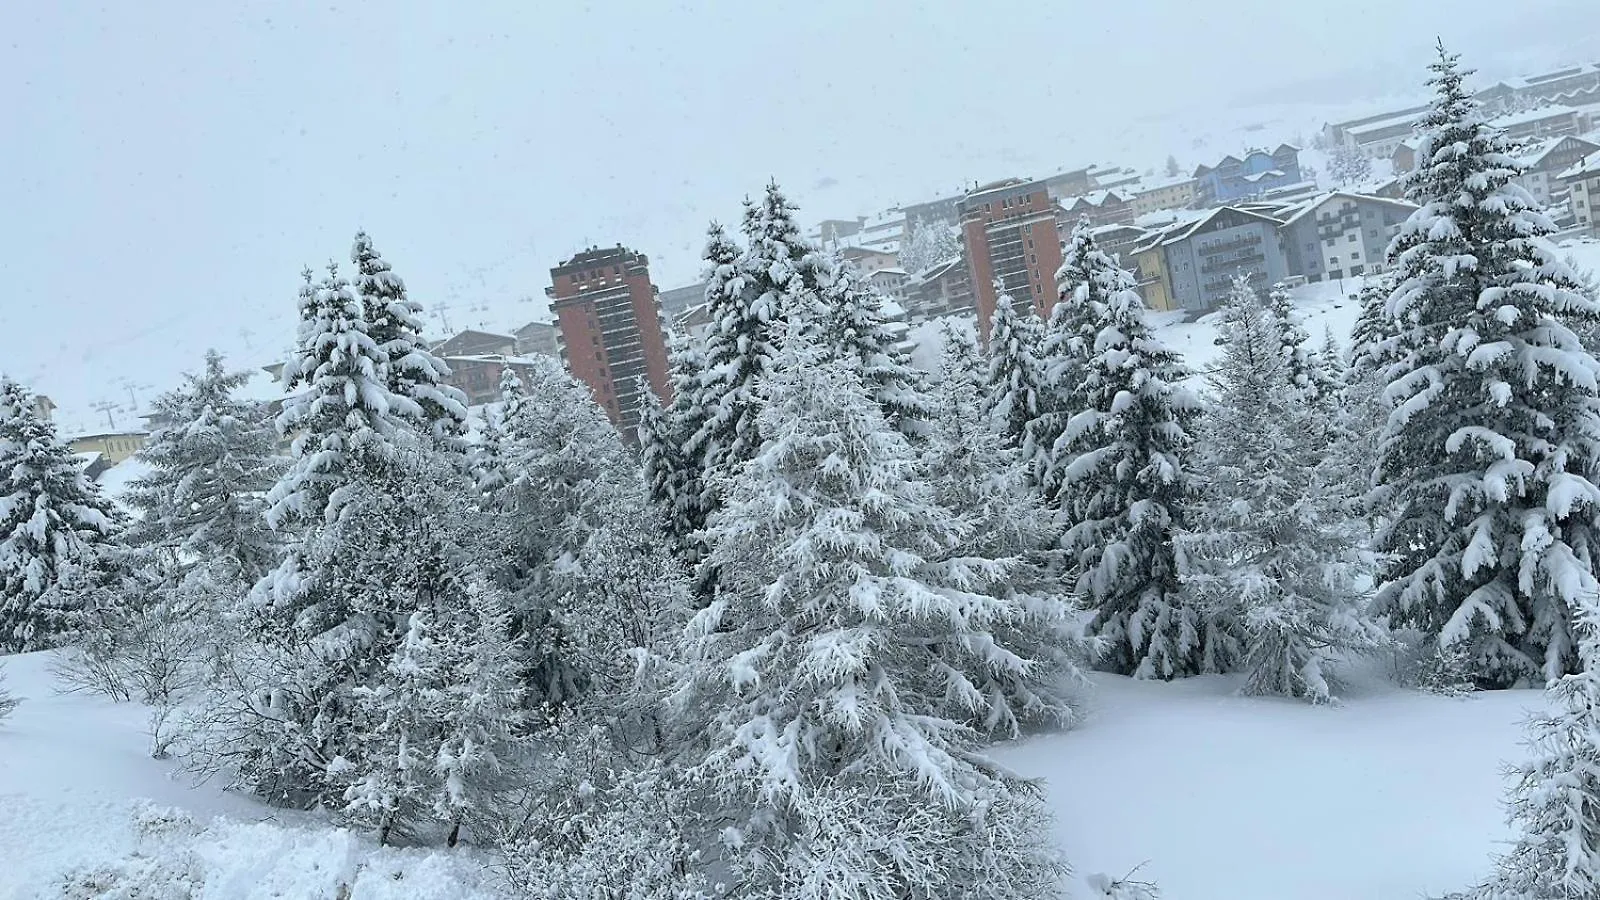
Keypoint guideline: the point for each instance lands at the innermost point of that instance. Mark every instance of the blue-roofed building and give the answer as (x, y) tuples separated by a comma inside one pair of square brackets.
[(1258, 172)]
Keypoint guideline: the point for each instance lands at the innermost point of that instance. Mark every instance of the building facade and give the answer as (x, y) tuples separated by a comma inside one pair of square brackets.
[(113, 446), (479, 376), (943, 290), (609, 329), (1202, 258), (1171, 193), (1341, 235), (1234, 178), (1544, 162), (676, 300), (1111, 207), (537, 338), (1582, 181), (1008, 230), (470, 343)]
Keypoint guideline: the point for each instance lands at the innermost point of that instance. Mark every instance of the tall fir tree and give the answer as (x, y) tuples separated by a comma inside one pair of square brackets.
[(1088, 279), (395, 325), (212, 461), (345, 416), (851, 322), (1486, 467), (1306, 369), (812, 674), (489, 472), (672, 471), (1124, 469), (975, 477), (52, 518), (1270, 557), (1014, 370)]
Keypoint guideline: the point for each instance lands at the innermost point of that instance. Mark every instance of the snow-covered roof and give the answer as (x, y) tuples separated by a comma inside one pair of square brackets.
[(1525, 82), (1310, 206), (1187, 229), (1537, 114), (1589, 165), (1160, 182), (1405, 118), (496, 358)]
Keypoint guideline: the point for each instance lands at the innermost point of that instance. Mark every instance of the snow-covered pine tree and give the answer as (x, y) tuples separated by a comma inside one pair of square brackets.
[(1486, 466), (1348, 166), (212, 460), (672, 472), (738, 349), (346, 415), (51, 516), (1124, 465), (851, 323), (1305, 367), (440, 719), (394, 323), (1014, 370), (812, 674), (1270, 557), (975, 477), (575, 516), (928, 242), (1087, 280), (488, 457)]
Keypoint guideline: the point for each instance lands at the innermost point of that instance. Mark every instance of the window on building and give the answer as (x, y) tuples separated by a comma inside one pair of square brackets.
[(1329, 242), (1333, 260), (1311, 245), (1356, 270), (598, 357), (1352, 236), (1355, 255), (1335, 274)]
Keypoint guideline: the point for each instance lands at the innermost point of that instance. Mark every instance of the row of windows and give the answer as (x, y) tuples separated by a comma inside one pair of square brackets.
[(595, 273)]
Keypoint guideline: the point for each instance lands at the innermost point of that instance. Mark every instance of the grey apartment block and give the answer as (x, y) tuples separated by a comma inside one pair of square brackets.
[(1203, 258), (1341, 235)]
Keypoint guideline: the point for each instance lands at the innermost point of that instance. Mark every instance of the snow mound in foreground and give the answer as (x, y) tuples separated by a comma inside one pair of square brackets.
[(177, 859)]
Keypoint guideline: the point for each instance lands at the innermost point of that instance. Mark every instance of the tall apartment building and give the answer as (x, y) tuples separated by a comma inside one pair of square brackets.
[(1009, 230), (608, 327)]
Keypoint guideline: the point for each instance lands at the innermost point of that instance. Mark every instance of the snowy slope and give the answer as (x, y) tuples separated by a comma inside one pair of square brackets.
[(1393, 795), (74, 768)]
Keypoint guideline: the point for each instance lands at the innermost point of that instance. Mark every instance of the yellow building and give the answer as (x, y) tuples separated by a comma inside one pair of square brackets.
[(1154, 287), (114, 446), (1172, 193)]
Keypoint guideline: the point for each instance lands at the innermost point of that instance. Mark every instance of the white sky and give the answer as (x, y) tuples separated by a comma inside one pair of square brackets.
[(166, 168)]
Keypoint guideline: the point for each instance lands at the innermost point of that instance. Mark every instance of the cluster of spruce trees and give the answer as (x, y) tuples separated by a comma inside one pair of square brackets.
[(763, 656)]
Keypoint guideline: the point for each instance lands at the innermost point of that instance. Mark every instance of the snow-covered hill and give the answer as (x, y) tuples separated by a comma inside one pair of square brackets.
[(80, 794), (1391, 795)]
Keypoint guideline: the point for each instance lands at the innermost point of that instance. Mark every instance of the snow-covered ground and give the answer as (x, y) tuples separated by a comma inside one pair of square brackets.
[(75, 770), (1393, 794)]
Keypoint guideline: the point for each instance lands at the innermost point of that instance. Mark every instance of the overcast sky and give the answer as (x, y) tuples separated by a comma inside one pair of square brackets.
[(167, 168)]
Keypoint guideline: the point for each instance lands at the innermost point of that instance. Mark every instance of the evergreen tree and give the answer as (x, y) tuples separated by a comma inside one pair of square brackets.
[(1349, 166), (1172, 166), (212, 461), (812, 674), (395, 325), (1486, 465), (1306, 370), (51, 517), (489, 457), (1014, 370), (346, 416), (576, 533), (439, 719), (672, 471), (1088, 280), (985, 483), (851, 323), (737, 351), (1271, 556), (928, 242), (1123, 464)]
